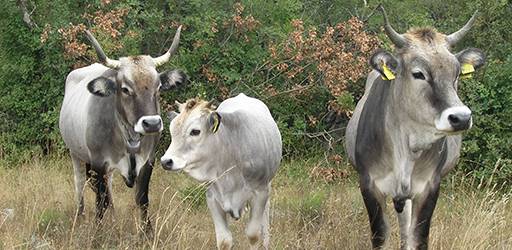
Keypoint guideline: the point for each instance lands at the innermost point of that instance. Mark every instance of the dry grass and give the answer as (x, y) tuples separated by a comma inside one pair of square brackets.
[(305, 214)]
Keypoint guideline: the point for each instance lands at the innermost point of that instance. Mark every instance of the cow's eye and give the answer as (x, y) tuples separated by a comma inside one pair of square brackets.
[(195, 132), (418, 75), (125, 90)]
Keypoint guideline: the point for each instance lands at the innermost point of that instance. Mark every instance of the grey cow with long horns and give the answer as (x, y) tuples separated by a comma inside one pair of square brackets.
[(404, 135), (110, 120)]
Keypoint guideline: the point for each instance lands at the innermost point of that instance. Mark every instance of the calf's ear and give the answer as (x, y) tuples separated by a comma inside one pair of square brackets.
[(385, 63), (214, 121), (102, 87), (171, 115), (172, 78)]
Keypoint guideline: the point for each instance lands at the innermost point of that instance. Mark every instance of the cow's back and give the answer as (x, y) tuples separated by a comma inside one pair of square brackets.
[(257, 140), (75, 109)]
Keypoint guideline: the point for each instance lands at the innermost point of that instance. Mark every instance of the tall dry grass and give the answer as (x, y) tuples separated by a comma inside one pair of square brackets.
[(305, 213)]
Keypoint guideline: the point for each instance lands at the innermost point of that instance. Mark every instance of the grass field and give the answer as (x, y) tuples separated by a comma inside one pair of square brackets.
[(306, 213)]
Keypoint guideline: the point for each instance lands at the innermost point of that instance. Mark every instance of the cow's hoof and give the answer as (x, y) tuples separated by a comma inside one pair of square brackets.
[(225, 244), (146, 232), (253, 239)]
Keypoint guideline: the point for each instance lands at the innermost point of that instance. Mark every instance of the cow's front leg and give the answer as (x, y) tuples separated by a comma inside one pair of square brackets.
[(222, 233), (404, 221), (375, 203), (422, 210), (100, 180), (258, 226), (79, 176), (141, 195)]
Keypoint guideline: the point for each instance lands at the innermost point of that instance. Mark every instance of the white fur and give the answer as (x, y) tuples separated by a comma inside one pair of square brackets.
[(246, 146)]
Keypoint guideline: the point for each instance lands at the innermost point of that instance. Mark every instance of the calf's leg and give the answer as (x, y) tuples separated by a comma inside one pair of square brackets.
[(222, 233), (258, 226)]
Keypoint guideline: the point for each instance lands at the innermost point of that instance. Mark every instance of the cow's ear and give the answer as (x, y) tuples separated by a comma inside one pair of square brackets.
[(172, 78), (102, 86), (214, 121), (470, 59), (385, 63), (171, 115)]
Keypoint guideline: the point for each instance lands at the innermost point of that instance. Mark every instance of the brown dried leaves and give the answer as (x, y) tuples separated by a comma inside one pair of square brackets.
[(108, 23), (337, 57)]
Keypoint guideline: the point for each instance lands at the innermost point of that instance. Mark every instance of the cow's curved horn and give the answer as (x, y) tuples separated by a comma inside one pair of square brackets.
[(174, 46), (398, 39), (99, 51), (455, 37)]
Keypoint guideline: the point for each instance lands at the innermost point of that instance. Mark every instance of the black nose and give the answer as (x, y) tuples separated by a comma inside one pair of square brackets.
[(167, 164), (151, 125), (234, 215), (460, 121)]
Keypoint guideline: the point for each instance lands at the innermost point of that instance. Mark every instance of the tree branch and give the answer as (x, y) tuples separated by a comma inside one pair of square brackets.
[(22, 4)]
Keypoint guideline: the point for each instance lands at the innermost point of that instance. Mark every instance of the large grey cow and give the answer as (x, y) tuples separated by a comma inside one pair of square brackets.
[(110, 120), (404, 133), (237, 149)]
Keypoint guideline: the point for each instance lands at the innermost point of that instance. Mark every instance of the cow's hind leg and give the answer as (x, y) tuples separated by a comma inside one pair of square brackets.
[(375, 203), (79, 176), (258, 227), (222, 233), (100, 182), (141, 195), (422, 210)]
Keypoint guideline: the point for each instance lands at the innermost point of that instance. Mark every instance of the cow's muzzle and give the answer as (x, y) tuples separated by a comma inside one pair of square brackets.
[(455, 119), (150, 124)]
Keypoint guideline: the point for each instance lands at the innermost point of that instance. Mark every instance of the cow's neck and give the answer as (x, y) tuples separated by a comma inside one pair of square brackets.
[(413, 137), (408, 143), (127, 133)]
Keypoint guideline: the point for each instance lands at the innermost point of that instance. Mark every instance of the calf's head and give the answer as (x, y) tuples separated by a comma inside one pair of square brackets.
[(426, 74), (135, 85), (192, 132)]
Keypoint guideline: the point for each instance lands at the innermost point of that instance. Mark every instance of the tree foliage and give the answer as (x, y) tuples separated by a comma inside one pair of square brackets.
[(306, 59)]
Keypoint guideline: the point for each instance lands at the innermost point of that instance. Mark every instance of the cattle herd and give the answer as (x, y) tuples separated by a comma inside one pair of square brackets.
[(403, 137)]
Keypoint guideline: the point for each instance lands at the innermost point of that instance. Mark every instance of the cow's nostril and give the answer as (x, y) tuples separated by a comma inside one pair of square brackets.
[(145, 124), (152, 125), (167, 164), (460, 121), (453, 119)]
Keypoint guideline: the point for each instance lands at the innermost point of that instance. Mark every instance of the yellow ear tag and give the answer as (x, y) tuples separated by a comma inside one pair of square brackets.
[(215, 124), (467, 68), (466, 71), (388, 75)]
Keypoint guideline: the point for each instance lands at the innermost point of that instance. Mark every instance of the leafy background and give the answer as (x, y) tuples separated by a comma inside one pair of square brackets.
[(305, 59)]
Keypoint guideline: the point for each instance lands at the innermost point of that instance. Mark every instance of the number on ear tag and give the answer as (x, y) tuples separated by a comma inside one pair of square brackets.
[(388, 74)]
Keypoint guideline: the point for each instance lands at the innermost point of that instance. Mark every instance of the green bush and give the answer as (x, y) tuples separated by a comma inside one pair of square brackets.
[(227, 48), (487, 146)]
